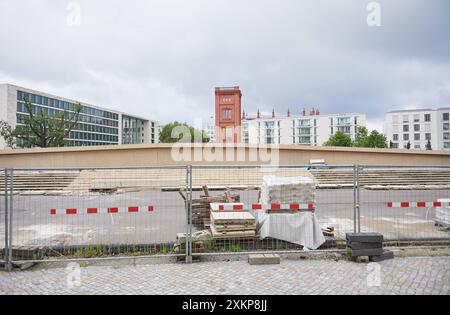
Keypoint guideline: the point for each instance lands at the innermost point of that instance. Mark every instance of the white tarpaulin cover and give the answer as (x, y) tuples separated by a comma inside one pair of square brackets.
[(443, 213), (299, 228)]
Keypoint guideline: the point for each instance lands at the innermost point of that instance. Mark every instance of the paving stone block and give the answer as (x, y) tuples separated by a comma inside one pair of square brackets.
[(263, 259), (387, 254)]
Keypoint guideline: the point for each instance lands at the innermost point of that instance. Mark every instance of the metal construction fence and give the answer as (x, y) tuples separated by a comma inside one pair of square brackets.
[(186, 211)]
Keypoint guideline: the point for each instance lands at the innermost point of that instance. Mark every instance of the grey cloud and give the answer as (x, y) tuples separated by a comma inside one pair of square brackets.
[(162, 59)]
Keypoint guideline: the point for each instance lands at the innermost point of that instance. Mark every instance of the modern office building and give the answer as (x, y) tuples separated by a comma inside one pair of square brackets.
[(97, 125), (308, 128), (417, 127)]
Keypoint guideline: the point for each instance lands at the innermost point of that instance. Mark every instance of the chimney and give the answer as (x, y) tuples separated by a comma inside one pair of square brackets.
[(273, 113), (289, 113), (258, 114)]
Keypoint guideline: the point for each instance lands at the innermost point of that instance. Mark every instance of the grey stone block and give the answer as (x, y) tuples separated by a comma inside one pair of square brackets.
[(366, 252), (387, 254), (364, 237), (263, 259), (359, 245)]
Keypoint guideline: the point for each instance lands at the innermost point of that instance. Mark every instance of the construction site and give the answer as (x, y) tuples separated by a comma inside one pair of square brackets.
[(145, 211)]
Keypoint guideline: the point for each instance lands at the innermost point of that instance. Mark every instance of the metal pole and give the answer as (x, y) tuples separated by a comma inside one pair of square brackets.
[(354, 198), (11, 203), (6, 253), (358, 207), (190, 216)]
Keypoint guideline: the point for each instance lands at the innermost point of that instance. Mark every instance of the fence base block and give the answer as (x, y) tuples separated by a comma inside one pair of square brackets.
[(387, 254)]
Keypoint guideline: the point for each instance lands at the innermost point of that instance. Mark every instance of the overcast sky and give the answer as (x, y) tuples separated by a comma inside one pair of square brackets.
[(162, 59)]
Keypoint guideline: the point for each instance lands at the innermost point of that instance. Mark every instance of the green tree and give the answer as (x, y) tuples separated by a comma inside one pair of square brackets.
[(376, 140), (39, 129), (339, 139), (373, 140), (182, 132), (361, 137)]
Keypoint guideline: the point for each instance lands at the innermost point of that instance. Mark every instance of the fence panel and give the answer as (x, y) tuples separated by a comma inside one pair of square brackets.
[(3, 216), (331, 205), (90, 213), (401, 201)]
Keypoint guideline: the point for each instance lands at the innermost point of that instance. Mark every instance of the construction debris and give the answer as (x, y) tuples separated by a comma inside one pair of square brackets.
[(201, 207)]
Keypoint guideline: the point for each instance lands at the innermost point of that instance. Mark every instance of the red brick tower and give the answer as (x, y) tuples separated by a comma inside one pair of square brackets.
[(228, 115)]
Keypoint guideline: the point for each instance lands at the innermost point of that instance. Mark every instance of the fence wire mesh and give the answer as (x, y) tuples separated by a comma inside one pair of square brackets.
[(88, 213), (150, 211), (409, 203), (3, 217), (291, 208)]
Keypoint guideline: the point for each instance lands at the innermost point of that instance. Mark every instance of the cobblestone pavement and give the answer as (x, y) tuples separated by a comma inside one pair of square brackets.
[(410, 275)]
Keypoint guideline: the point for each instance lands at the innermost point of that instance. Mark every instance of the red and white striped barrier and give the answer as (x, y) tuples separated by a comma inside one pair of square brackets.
[(113, 210), (258, 206), (417, 204)]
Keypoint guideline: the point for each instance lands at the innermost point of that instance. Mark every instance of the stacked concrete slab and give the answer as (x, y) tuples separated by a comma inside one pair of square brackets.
[(231, 224), (288, 190)]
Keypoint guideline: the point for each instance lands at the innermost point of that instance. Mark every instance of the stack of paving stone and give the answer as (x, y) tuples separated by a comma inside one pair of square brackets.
[(288, 190), (231, 224), (367, 244), (201, 206)]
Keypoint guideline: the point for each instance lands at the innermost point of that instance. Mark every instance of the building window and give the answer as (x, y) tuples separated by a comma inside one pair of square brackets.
[(395, 145), (417, 136), (405, 118), (428, 136), (445, 126), (427, 117), (405, 128), (446, 135), (416, 127), (395, 137), (445, 116), (446, 145), (416, 146), (226, 114), (416, 118), (406, 137)]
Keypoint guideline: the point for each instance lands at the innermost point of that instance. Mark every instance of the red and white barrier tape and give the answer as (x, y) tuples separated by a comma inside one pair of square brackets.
[(258, 206), (113, 210), (418, 204)]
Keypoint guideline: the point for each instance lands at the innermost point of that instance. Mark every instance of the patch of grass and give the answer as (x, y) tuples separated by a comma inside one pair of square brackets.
[(235, 248)]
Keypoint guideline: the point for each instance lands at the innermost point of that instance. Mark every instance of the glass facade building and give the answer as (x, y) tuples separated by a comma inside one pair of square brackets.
[(96, 126)]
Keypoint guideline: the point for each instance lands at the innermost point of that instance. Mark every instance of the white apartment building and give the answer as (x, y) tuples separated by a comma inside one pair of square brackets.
[(417, 127), (97, 125), (306, 129)]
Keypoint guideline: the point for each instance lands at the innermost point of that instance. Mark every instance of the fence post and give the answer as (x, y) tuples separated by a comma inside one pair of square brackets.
[(189, 214), (6, 250), (354, 198), (358, 204), (10, 225)]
